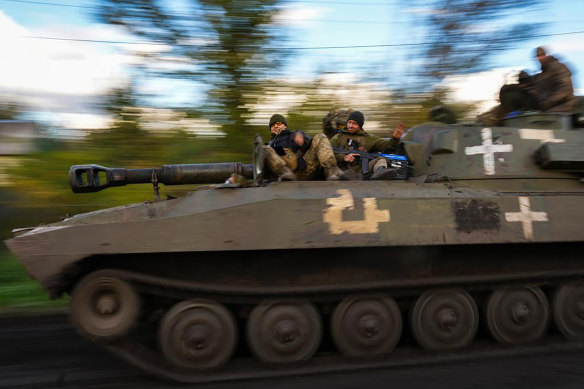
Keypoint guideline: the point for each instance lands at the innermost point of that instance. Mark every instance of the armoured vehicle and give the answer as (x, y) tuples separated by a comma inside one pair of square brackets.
[(483, 239)]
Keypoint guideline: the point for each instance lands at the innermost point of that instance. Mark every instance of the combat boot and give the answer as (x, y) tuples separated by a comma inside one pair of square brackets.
[(335, 174), (287, 175), (383, 173)]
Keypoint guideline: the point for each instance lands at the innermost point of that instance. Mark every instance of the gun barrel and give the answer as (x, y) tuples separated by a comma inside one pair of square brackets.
[(93, 178)]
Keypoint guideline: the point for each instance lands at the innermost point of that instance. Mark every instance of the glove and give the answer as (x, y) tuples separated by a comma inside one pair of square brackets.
[(280, 150), (524, 78)]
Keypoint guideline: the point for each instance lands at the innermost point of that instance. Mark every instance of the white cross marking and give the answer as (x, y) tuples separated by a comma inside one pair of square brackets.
[(541, 135), (526, 217), (488, 149)]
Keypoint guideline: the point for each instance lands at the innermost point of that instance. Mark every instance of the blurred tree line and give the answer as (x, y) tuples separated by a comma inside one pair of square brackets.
[(232, 48)]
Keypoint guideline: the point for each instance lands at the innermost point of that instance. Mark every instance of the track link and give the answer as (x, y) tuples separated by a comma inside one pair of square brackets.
[(247, 368)]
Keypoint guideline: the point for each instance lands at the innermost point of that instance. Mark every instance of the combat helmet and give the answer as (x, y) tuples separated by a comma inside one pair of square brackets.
[(334, 121)]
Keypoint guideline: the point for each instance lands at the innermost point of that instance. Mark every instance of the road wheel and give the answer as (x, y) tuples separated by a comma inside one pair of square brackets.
[(517, 315), (568, 309), (104, 308), (367, 325), (284, 331), (444, 319), (198, 334)]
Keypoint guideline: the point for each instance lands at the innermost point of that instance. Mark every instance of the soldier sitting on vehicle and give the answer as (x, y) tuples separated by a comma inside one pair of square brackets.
[(293, 155), (353, 137), (512, 98), (550, 90), (553, 85)]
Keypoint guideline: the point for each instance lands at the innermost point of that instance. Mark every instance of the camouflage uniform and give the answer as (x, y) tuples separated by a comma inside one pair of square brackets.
[(306, 162), (366, 142), (276, 164), (319, 154)]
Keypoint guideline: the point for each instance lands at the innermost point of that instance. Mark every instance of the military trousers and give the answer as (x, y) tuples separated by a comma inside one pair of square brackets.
[(318, 157)]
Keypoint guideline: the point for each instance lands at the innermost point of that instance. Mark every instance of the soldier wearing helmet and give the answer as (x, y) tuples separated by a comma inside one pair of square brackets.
[(335, 121)]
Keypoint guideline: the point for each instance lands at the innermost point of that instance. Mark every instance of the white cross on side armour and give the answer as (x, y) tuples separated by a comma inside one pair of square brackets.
[(488, 149), (526, 217)]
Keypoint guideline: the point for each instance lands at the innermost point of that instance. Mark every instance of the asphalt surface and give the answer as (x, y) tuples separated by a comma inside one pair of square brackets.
[(43, 351)]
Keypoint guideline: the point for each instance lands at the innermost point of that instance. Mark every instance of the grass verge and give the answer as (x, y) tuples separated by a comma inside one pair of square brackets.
[(20, 293)]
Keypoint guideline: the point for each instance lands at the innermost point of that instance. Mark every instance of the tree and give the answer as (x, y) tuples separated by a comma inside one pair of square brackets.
[(121, 104), (125, 142), (220, 43), (9, 109), (463, 35)]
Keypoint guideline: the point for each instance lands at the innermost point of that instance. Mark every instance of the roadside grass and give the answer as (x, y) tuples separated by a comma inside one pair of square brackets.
[(18, 292)]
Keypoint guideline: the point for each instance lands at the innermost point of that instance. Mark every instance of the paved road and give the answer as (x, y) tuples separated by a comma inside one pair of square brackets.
[(44, 352)]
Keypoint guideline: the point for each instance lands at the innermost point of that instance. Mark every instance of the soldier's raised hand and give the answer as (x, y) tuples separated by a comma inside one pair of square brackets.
[(298, 138), (399, 130)]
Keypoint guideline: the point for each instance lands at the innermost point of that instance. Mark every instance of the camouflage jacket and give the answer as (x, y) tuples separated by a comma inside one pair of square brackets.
[(361, 141), (288, 150), (553, 87)]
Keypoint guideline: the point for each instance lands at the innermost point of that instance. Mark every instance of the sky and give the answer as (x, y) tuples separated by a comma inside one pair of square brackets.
[(63, 79)]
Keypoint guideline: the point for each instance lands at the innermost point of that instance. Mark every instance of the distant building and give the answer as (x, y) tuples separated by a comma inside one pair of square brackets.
[(17, 139)]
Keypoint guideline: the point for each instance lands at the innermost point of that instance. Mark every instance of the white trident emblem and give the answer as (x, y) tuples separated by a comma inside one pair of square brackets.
[(488, 149), (333, 215)]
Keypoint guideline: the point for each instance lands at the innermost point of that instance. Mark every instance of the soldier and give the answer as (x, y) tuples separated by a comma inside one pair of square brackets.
[(294, 155), (553, 85), (335, 121), (442, 114), (550, 90), (353, 137), (517, 97)]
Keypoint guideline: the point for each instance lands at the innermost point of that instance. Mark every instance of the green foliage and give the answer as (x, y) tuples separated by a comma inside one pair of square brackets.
[(18, 291), (121, 103)]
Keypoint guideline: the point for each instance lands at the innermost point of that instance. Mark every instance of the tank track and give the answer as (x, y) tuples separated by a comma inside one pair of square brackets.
[(172, 288), (247, 369), (146, 356)]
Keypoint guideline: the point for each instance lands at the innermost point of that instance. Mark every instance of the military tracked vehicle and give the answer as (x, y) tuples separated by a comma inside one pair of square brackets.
[(483, 239)]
